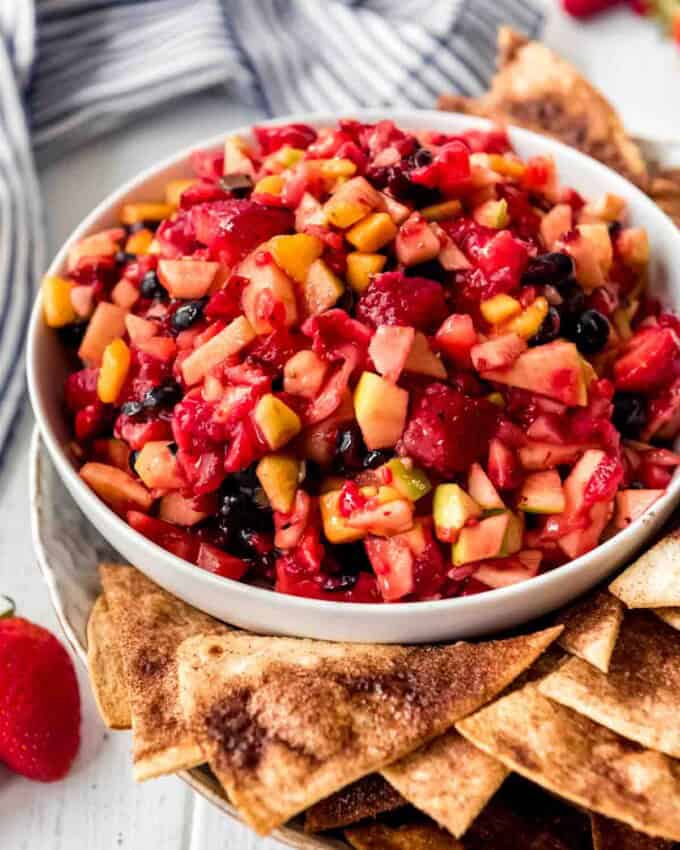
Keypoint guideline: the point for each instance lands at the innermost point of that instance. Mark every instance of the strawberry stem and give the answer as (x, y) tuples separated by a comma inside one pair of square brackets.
[(7, 607)]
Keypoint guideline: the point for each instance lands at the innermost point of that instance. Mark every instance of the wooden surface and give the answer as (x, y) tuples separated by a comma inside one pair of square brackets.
[(98, 807)]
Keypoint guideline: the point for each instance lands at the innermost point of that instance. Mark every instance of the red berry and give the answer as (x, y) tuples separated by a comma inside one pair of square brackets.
[(587, 8), (171, 537), (648, 362), (394, 299), (39, 702), (270, 139), (208, 164)]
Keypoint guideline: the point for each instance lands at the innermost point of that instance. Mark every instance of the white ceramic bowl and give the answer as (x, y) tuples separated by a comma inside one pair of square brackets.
[(265, 611)]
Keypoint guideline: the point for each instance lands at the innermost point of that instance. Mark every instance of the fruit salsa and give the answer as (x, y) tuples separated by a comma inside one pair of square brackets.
[(363, 364)]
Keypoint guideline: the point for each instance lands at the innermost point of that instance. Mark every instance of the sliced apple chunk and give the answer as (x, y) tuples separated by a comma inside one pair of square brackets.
[(452, 507), (231, 340), (542, 493), (482, 490), (115, 487), (380, 409), (278, 474), (481, 541), (631, 504), (276, 421)]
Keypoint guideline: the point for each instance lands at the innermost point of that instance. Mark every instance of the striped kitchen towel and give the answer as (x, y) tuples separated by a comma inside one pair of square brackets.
[(73, 69)]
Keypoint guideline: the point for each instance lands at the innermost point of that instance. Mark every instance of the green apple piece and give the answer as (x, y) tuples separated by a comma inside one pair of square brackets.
[(279, 474), (277, 422), (482, 490), (481, 541), (322, 288), (452, 508), (380, 408), (409, 480), (542, 493), (631, 504), (514, 534), (578, 479)]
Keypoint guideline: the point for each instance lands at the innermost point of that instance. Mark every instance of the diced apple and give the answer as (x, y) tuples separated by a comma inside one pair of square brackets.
[(587, 268), (157, 466), (501, 307), (529, 321), (102, 244), (492, 214), (541, 455), (507, 571), (397, 212), (499, 352), (236, 160), (231, 340), (451, 258), (607, 208), (276, 421), (389, 350), (456, 338), (160, 347), (187, 278), (481, 541), (116, 487), (351, 201), (107, 323), (422, 360), (372, 232), (304, 374), (482, 490), (577, 480), (321, 288), (295, 254), (542, 493), (180, 510), (380, 408), (309, 212), (553, 370), (416, 242), (334, 524), (392, 562), (140, 330), (125, 294), (577, 543), (409, 480), (361, 267), (633, 246), (269, 287), (278, 474), (452, 507), (555, 223), (384, 519), (598, 236), (631, 504)]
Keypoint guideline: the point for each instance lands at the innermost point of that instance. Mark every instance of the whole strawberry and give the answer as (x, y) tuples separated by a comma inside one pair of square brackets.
[(39, 702)]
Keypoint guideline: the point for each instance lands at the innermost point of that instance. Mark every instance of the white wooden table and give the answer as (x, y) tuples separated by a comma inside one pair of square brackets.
[(98, 807)]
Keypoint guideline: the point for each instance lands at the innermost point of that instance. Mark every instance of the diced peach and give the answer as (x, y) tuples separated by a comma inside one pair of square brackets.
[(113, 371), (227, 342), (139, 330), (295, 254), (107, 323), (555, 224), (633, 246), (139, 242), (180, 510), (187, 278), (125, 294), (416, 242), (145, 211), (116, 487), (156, 465), (598, 236), (82, 300), (161, 347), (101, 244), (269, 287), (304, 374)]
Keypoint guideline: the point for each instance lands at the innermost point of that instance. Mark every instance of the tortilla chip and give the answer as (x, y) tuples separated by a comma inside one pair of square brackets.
[(107, 675), (640, 697), (612, 835), (448, 779), (669, 615), (367, 798), (151, 624), (571, 756), (414, 836), (591, 628), (285, 722), (653, 581)]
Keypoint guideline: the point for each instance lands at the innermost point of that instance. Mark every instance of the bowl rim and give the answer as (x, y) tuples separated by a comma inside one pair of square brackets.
[(416, 119)]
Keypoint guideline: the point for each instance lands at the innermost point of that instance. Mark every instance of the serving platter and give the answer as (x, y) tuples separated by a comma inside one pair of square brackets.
[(68, 548)]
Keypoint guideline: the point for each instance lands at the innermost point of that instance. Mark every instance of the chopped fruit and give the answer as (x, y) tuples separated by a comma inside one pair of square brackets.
[(578, 480), (482, 491), (269, 298), (115, 487), (452, 508), (279, 474), (113, 371), (393, 562), (106, 324), (304, 374), (321, 289), (631, 504), (450, 257), (175, 188), (529, 322), (584, 253), (416, 242), (483, 540), (632, 245), (380, 408), (577, 543), (598, 236), (102, 244), (394, 299), (57, 306), (276, 421), (492, 214), (291, 526), (125, 294), (502, 572), (535, 455), (383, 518), (270, 185), (140, 330), (503, 467), (647, 361), (438, 212), (553, 370), (187, 278), (217, 349), (408, 479), (555, 223), (236, 160), (295, 254), (156, 465), (499, 308), (607, 209), (422, 360), (351, 202), (542, 493), (178, 541), (372, 232), (361, 267), (456, 338), (389, 350), (134, 213), (220, 563), (334, 523), (181, 510), (498, 352), (139, 242)]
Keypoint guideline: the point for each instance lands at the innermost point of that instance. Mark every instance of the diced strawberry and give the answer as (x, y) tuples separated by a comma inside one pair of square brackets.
[(204, 472), (456, 337), (271, 139), (80, 389), (394, 299), (220, 563), (503, 259), (503, 467), (180, 542), (335, 335), (203, 192), (648, 362), (208, 164), (448, 171), (176, 236)]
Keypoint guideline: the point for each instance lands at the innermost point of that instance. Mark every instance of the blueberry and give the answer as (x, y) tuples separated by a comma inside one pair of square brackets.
[(630, 413), (132, 408), (573, 299), (376, 458), (132, 460), (238, 184), (190, 312), (553, 268), (420, 158), (151, 286), (591, 332), (142, 225), (549, 330), (72, 335), (123, 257), (349, 450), (165, 395)]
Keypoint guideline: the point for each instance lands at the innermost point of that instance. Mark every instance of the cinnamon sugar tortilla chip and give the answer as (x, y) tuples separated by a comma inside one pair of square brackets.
[(653, 581), (367, 798), (581, 761), (611, 835), (414, 836), (105, 664), (591, 628), (151, 624), (640, 696), (669, 615), (284, 723), (448, 779)]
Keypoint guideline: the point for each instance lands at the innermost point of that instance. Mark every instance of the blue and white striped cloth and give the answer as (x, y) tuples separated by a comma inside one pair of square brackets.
[(73, 69)]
